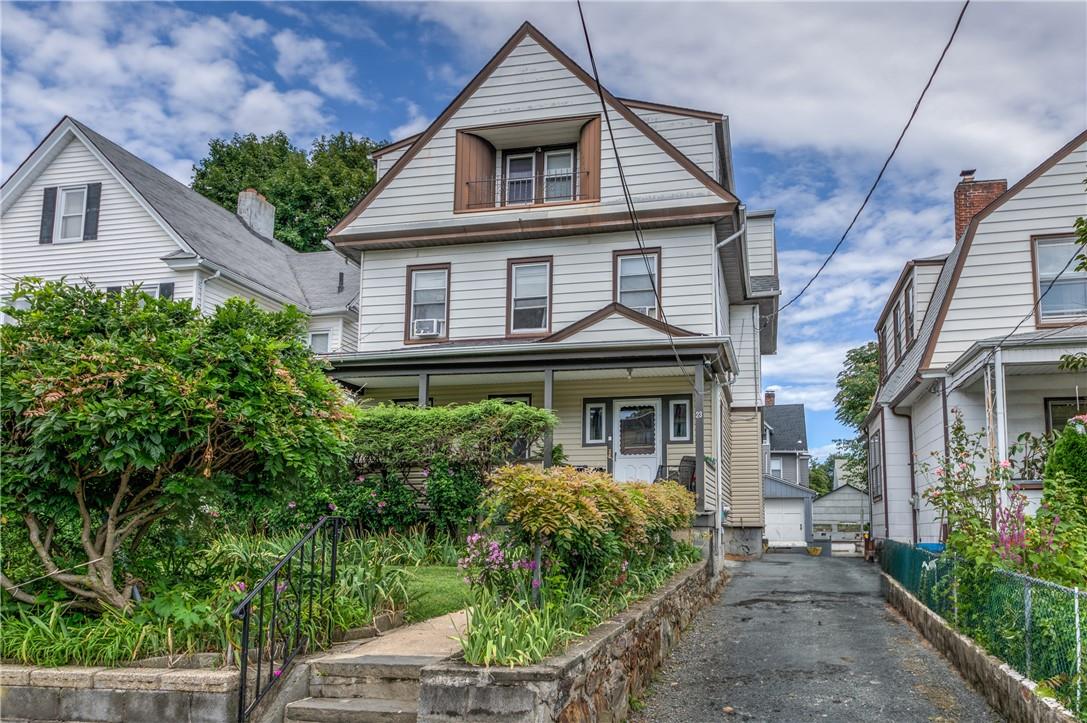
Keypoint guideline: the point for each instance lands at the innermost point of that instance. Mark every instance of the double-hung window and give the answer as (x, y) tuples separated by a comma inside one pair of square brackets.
[(875, 466), (907, 297), (428, 303), (1064, 298), (521, 178), (898, 330), (530, 295), (776, 467), (637, 283), (679, 420), (595, 423), (73, 208)]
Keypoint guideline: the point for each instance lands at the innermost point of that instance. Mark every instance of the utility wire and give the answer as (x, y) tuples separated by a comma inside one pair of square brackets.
[(882, 170), (651, 273)]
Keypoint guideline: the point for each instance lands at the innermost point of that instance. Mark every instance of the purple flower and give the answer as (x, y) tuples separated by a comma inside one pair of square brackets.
[(535, 583), (291, 505), (331, 506), (278, 672), (381, 504), (281, 587), (239, 586), (426, 472)]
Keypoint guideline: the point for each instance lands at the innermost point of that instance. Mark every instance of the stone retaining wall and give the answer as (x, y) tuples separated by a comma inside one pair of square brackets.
[(1012, 695), (155, 690), (593, 680)]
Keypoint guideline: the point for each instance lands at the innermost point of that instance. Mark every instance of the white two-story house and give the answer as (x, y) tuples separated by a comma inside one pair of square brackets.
[(981, 331), (82, 208), (499, 259)]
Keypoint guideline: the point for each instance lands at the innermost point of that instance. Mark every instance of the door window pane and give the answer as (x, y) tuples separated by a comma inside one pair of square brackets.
[(530, 297), (637, 430), (519, 179), (637, 282), (559, 175)]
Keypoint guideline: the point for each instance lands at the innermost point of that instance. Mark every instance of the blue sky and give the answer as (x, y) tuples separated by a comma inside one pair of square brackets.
[(815, 92)]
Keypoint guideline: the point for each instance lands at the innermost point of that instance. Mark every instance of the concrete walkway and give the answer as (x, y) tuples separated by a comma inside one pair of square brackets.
[(797, 638), (434, 638)]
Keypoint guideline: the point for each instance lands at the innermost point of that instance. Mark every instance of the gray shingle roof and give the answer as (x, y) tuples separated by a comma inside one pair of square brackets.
[(221, 237), (789, 428)]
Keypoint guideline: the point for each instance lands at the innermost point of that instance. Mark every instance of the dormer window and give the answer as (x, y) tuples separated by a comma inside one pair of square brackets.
[(527, 164)]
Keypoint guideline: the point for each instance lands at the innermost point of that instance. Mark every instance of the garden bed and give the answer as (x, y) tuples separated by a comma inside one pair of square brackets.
[(593, 679)]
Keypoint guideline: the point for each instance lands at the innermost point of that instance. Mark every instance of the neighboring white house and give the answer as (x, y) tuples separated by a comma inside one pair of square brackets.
[(971, 331), (81, 207), (498, 259)]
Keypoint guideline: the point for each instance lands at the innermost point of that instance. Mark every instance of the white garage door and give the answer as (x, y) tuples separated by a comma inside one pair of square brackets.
[(785, 522)]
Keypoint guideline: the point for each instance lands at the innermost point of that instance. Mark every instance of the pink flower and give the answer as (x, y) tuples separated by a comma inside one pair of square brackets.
[(331, 506), (291, 505), (535, 583), (939, 471), (381, 505), (278, 672), (239, 586), (1004, 464)]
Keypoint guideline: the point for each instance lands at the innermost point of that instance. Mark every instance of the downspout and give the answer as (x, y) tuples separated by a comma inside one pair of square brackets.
[(913, 484), (358, 329), (203, 284), (717, 278), (947, 440), (883, 471)]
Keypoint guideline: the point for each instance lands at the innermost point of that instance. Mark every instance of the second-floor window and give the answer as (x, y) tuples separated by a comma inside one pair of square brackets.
[(907, 296), (72, 207), (530, 295), (1066, 297), (775, 467), (428, 303), (637, 280), (898, 330), (319, 341), (875, 466)]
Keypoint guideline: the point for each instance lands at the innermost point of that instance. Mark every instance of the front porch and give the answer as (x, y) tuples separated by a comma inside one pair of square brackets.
[(634, 411)]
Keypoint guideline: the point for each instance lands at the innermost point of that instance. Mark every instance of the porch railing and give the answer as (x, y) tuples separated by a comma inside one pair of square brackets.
[(283, 613), (499, 191)]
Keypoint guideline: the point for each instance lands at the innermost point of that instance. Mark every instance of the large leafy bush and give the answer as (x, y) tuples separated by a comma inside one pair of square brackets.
[(121, 410), (1068, 460)]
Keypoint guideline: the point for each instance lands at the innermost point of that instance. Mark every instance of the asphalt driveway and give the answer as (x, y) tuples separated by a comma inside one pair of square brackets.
[(797, 638)]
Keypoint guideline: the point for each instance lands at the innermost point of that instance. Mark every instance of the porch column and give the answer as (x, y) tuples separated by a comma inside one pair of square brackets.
[(699, 436), (424, 388), (1001, 404), (548, 403)]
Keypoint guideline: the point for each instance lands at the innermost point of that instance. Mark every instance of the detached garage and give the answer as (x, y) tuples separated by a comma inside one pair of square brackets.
[(788, 513)]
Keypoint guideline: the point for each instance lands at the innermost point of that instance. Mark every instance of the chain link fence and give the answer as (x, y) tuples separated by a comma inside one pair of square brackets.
[(1036, 626)]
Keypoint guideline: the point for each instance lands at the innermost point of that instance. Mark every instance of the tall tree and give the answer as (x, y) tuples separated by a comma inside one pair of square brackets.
[(857, 384), (820, 476), (310, 190)]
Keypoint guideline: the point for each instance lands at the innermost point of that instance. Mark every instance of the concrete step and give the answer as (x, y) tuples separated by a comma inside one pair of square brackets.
[(356, 686), (351, 710), (388, 667)]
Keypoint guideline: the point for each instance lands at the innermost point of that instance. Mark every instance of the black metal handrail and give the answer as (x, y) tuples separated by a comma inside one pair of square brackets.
[(281, 605), (555, 187)]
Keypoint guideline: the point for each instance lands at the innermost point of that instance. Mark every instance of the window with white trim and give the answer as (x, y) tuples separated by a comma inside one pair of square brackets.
[(1066, 297), (71, 212), (531, 296), (559, 175), (875, 466), (429, 303), (521, 178), (679, 420), (638, 283), (319, 341), (595, 422)]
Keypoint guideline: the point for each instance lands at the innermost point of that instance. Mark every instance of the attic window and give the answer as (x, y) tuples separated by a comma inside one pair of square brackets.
[(72, 207)]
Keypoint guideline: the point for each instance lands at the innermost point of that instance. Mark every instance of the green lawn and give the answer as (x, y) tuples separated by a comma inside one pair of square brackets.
[(434, 591)]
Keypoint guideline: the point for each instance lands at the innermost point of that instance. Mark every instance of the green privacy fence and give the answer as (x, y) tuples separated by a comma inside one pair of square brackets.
[(1036, 626)]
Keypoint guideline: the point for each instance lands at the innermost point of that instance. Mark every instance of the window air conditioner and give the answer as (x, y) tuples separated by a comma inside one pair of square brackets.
[(426, 328), (647, 310)]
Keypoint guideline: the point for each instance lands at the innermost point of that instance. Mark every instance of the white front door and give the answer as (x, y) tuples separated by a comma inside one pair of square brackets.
[(785, 522), (636, 452)]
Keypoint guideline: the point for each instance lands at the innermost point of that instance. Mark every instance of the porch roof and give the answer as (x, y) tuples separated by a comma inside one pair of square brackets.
[(1035, 352), (505, 355)]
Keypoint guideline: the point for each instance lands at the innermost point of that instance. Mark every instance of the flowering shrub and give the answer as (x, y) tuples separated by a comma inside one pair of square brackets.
[(1068, 457), (504, 569)]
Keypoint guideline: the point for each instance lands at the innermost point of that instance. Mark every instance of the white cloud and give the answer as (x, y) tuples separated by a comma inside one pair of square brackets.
[(416, 122), (158, 79), (299, 57)]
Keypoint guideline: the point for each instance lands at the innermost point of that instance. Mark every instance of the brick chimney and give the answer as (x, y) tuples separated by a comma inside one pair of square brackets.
[(768, 398), (258, 214), (971, 196)]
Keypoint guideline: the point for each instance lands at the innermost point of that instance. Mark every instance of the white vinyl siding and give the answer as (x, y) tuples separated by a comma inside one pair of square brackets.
[(130, 242), (582, 282), (530, 85), (217, 291), (743, 327), (693, 137), (350, 340), (385, 161), (996, 287), (761, 258), (924, 282)]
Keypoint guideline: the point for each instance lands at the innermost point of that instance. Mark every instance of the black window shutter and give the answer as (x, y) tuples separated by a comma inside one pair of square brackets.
[(49, 212), (166, 290), (90, 219)]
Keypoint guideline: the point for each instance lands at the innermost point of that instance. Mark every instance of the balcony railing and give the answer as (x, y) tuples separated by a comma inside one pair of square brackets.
[(508, 191)]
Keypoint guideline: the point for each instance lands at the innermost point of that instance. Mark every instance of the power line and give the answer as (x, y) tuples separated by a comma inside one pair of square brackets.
[(651, 273), (883, 169)]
